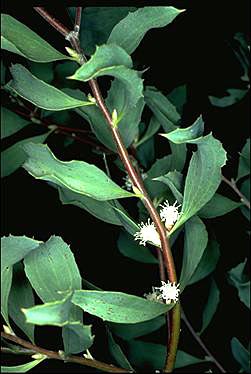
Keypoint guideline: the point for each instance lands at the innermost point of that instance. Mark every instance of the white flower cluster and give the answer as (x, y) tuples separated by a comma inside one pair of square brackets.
[(168, 291), (147, 231)]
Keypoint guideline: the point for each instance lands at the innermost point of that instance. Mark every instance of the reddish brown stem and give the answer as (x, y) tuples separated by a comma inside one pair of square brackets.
[(52, 21), (77, 19)]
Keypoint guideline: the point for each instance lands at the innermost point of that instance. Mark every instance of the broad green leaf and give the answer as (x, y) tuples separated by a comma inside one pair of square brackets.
[(152, 128), (21, 296), (15, 248), (13, 157), (245, 190), (43, 72), (55, 313), (129, 225), (182, 135), (52, 264), (113, 61), (241, 354), (160, 105), (131, 331), (203, 176), (145, 154), (129, 248), (97, 23), (22, 368), (18, 38), (77, 337), (174, 180), (239, 279), (117, 353), (233, 96), (196, 238), (211, 306), (207, 263), (129, 32), (244, 161), (39, 93), (178, 96), (151, 356), (218, 206), (103, 210), (6, 279), (78, 176), (118, 306), (11, 123)]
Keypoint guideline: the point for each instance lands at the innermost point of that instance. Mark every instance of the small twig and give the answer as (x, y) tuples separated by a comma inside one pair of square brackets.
[(200, 342), (52, 21), (17, 351), (232, 184), (77, 20), (55, 355)]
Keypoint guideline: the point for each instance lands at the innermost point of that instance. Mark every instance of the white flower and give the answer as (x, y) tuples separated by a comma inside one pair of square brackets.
[(147, 233), (169, 213), (169, 291)]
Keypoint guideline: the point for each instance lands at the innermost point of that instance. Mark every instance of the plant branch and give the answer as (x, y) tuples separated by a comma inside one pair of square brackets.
[(200, 342), (52, 21), (55, 355), (232, 184), (77, 19), (137, 182)]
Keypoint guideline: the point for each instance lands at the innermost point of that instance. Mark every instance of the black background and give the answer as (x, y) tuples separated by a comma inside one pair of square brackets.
[(193, 50)]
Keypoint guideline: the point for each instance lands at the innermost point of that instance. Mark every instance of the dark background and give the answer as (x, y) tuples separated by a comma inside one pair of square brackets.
[(193, 50)]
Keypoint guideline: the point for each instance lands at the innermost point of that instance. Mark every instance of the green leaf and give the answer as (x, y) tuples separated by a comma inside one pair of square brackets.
[(244, 161), (129, 32), (97, 23), (129, 248), (40, 93), (52, 264), (103, 210), (18, 38), (11, 123), (43, 72), (118, 306), (207, 263), (203, 176), (55, 313), (178, 96), (239, 279), (78, 176), (151, 356), (77, 337), (21, 296), (13, 157), (129, 225), (241, 354), (218, 206), (3, 73), (233, 96), (174, 180), (113, 61), (196, 238), (15, 248), (182, 135), (245, 190), (131, 331), (22, 368), (162, 108), (152, 128), (6, 279), (117, 353), (211, 306)]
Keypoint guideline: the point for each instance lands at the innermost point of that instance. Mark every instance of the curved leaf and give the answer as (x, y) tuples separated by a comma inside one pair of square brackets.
[(18, 38), (211, 306), (117, 353), (78, 176), (114, 61), (218, 206), (181, 135), (196, 238), (6, 280), (11, 123), (13, 157), (129, 32), (40, 93), (118, 306), (239, 279), (22, 368), (241, 354), (244, 161), (77, 337)]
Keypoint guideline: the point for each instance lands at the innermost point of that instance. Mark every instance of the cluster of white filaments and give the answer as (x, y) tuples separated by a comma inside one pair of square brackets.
[(168, 293), (169, 213), (147, 231)]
